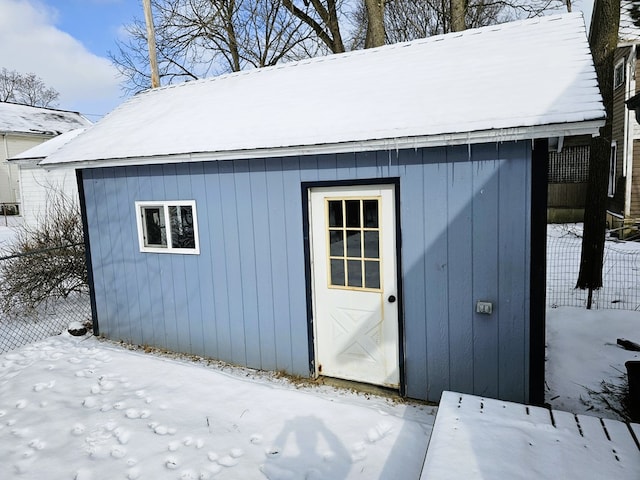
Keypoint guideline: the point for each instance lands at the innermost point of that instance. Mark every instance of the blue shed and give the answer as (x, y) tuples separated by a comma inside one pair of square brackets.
[(376, 216)]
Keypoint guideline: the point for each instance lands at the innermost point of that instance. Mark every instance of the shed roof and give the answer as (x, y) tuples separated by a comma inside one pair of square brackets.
[(520, 80), (629, 29), (24, 119)]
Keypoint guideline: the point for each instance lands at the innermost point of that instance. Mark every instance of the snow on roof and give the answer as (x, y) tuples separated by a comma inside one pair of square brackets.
[(526, 79), (16, 118), (629, 30), (45, 149)]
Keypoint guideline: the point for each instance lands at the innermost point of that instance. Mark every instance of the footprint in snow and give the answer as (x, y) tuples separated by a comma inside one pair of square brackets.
[(188, 475), (236, 453), (378, 432), (210, 470), (171, 463), (132, 413), (38, 387), (122, 435), (20, 404), (133, 473), (118, 451), (37, 444), (78, 429), (83, 474), (228, 461), (256, 439), (359, 452)]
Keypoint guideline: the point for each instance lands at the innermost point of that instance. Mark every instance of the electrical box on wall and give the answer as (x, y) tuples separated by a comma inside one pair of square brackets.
[(484, 307)]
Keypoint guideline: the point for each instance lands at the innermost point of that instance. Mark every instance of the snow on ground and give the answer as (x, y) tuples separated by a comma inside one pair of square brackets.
[(582, 353), (8, 227), (88, 409)]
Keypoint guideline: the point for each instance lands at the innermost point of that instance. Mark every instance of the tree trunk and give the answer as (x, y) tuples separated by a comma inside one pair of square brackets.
[(603, 40), (375, 23), (458, 11)]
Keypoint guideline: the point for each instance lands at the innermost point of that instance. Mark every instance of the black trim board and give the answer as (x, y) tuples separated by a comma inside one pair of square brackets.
[(538, 270), (306, 186), (87, 252)]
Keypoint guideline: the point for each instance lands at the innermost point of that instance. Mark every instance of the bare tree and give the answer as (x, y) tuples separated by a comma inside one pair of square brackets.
[(9, 82), (26, 89), (323, 17), (458, 15), (603, 40), (198, 38)]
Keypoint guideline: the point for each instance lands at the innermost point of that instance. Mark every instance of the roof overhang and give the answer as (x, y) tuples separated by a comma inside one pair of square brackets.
[(389, 144)]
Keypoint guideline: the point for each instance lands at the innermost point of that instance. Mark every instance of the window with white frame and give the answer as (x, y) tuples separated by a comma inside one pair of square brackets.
[(618, 74), (168, 227), (612, 170)]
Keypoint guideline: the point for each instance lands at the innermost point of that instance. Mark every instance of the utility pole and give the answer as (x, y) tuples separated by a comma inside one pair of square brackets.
[(151, 42)]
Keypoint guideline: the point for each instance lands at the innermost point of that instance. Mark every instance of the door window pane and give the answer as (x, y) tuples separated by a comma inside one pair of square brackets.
[(352, 208), (336, 243), (370, 210), (355, 273), (353, 243), (372, 274), (371, 244), (337, 272), (335, 213)]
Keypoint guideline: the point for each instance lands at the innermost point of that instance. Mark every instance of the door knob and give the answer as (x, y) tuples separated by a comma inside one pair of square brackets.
[(391, 298)]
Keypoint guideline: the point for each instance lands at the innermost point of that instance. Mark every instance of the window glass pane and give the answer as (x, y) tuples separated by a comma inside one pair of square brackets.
[(336, 243), (354, 274), (154, 228), (370, 209), (372, 274), (353, 243), (182, 233), (335, 213), (352, 208), (337, 272), (371, 245)]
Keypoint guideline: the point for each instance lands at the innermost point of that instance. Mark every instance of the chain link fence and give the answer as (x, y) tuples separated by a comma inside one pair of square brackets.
[(36, 304), (620, 272)]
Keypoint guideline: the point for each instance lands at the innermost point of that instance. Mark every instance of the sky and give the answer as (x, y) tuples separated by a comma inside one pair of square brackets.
[(66, 43)]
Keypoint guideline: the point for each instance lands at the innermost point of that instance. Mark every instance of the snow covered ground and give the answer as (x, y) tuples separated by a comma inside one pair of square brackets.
[(87, 409)]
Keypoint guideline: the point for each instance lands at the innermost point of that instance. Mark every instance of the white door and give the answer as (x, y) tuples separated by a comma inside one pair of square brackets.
[(353, 261)]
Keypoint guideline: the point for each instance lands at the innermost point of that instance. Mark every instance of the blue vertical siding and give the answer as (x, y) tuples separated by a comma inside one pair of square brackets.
[(465, 237)]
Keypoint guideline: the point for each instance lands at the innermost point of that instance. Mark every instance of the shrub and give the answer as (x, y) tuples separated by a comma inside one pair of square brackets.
[(47, 261)]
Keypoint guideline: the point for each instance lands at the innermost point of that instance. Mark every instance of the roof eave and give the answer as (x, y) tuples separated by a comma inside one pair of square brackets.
[(591, 127)]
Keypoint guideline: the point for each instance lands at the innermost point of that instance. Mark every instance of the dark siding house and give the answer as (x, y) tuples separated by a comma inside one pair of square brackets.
[(398, 243)]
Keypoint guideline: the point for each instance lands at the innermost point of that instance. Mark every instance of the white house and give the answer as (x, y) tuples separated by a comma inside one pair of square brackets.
[(21, 128)]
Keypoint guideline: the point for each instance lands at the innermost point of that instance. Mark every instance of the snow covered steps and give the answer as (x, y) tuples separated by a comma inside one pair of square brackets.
[(481, 438)]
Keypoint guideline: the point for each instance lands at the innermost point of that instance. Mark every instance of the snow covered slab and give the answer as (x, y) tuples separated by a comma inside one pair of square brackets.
[(480, 438), (79, 408), (521, 80)]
